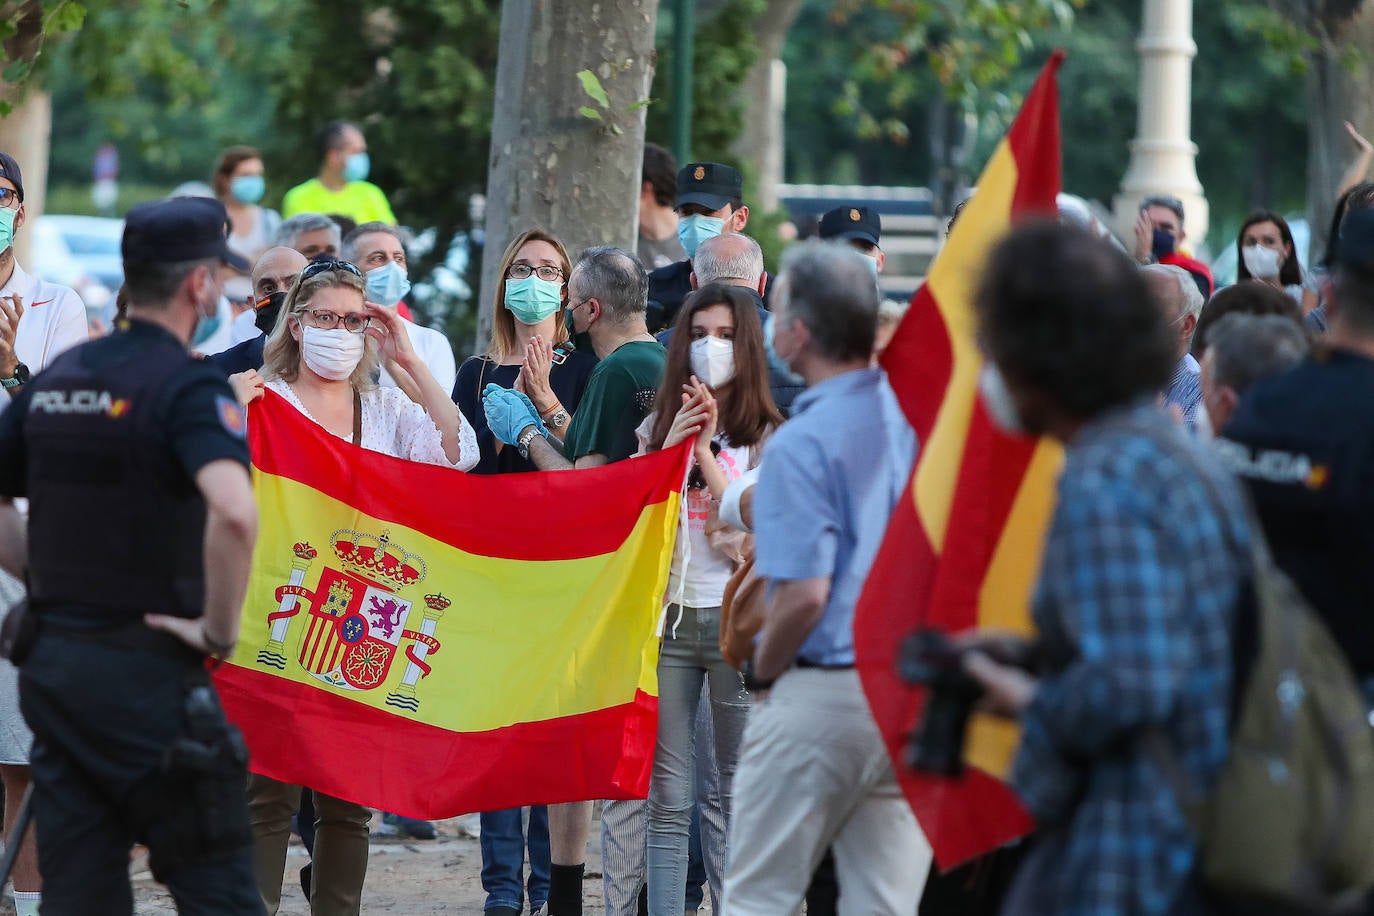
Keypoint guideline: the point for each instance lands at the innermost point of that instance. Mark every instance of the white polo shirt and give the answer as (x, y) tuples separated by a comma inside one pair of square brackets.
[(54, 320)]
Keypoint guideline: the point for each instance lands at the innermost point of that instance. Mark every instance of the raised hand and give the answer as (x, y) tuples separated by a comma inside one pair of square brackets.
[(509, 413), (534, 374)]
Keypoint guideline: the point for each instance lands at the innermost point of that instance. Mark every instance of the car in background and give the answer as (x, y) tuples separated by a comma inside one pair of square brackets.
[(94, 242), (53, 260)]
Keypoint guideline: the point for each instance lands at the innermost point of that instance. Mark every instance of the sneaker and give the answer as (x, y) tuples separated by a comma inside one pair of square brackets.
[(396, 825), (537, 911), (305, 879)]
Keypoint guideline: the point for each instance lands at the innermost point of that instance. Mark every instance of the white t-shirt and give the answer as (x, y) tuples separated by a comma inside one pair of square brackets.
[(434, 351), (54, 320), (395, 425), (708, 569)]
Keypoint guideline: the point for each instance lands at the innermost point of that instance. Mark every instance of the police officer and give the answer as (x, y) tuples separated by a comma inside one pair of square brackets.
[(133, 458), (710, 202), (1304, 443), (861, 227)]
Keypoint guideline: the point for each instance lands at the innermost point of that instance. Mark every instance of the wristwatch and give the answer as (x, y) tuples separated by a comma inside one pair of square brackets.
[(752, 683), (20, 377), (559, 418), (523, 443)]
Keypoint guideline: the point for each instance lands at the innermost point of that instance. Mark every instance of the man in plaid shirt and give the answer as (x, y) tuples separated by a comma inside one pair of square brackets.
[(1141, 574)]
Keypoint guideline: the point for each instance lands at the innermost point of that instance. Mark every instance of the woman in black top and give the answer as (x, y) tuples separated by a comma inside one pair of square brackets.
[(529, 351)]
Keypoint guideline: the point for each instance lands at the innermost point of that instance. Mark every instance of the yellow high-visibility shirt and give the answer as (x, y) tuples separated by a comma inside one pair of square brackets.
[(360, 201)]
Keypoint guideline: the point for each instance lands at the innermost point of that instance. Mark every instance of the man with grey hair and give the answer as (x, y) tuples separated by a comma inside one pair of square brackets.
[(312, 234), (1242, 350), (813, 769), (1180, 301), (378, 250), (731, 258)]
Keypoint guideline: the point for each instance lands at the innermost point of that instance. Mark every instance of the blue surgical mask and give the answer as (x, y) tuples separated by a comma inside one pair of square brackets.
[(248, 189), (531, 299), (872, 265), (357, 167), (775, 362), (695, 229), (388, 284), (6, 228)]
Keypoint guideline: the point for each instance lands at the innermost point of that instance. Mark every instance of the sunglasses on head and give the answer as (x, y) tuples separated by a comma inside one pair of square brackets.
[(321, 264)]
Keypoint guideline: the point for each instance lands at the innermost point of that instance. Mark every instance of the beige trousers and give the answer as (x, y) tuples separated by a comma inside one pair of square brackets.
[(340, 862), (813, 773)]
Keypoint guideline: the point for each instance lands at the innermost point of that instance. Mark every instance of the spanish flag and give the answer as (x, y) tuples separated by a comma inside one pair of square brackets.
[(435, 643), (963, 550)]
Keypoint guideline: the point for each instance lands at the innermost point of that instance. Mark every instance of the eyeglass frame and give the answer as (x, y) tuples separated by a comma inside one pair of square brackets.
[(337, 319), (558, 271), (13, 194)]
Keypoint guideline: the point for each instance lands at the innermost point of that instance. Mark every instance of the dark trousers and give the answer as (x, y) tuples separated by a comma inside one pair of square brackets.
[(103, 719)]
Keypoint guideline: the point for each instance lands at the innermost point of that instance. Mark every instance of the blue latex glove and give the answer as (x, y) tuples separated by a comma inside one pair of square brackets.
[(509, 412)]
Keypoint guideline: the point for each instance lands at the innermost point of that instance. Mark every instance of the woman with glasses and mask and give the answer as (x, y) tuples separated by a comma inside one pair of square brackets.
[(322, 357), (715, 392), (530, 352)]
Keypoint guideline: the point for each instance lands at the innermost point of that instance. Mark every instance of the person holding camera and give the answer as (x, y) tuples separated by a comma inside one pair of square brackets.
[(132, 455), (1142, 571), (813, 769)]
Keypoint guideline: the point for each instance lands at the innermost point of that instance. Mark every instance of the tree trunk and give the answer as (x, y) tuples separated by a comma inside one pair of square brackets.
[(1338, 89), (765, 93), (551, 166)]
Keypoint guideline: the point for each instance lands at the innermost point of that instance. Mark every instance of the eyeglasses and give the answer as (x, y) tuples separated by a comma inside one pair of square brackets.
[(9, 198), (543, 272), (320, 265), (354, 323)]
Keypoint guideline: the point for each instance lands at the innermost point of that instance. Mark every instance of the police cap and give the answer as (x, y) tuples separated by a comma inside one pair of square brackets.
[(10, 169), (178, 229), (860, 223), (708, 184)]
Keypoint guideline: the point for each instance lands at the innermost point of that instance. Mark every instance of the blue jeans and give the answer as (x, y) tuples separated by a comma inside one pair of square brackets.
[(688, 658), (503, 857)]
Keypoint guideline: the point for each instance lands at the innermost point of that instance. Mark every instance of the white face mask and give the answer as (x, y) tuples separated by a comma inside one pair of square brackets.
[(1263, 263), (332, 354), (998, 400), (713, 360)]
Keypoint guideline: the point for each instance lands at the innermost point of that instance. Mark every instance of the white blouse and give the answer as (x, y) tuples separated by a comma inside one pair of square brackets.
[(395, 425)]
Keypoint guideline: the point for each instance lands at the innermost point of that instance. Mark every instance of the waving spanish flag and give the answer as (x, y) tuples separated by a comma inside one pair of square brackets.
[(435, 643), (964, 549)]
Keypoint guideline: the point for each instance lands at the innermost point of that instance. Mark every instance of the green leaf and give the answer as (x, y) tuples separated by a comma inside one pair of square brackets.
[(67, 16), (591, 113), (592, 86), (642, 103)]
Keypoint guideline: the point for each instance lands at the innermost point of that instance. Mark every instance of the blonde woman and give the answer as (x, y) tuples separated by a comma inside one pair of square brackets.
[(322, 356)]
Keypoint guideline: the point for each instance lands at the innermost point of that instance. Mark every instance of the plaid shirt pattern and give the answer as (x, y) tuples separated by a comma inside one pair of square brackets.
[(1185, 389), (1139, 580)]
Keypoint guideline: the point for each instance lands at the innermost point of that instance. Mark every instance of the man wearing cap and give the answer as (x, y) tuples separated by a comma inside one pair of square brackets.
[(1159, 235), (1303, 441), (710, 202), (861, 227), (38, 319), (133, 457)]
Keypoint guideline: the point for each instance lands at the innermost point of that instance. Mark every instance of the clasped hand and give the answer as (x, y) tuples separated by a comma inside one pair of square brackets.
[(509, 413)]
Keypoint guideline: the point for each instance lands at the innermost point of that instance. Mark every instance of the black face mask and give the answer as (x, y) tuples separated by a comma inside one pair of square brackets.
[(266, 310)]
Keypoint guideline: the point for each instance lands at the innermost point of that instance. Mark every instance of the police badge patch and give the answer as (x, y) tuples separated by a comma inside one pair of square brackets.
[(231, 416)]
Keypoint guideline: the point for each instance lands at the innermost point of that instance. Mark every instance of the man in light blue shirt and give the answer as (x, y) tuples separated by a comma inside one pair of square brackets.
[(813, 768)]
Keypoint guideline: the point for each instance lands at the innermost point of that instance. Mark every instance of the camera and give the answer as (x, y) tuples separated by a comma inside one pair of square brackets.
[(929, 659)]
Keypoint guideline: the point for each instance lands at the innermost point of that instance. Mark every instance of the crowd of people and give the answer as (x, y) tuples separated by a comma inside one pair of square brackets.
[(1179, 407)]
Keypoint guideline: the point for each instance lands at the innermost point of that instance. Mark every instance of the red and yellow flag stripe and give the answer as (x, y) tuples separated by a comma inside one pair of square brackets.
[(434, 643), (963, 550)]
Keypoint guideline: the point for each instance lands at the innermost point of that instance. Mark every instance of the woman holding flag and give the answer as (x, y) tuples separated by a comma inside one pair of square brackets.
[(715, 391), (321, 357)]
